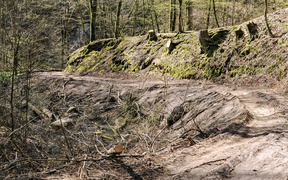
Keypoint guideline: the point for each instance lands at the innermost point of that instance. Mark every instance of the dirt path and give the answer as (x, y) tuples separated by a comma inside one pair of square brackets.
[(246, 134)]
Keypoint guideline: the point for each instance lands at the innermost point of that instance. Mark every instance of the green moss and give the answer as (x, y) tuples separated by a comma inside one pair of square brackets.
[(282, 72), (134, 68), (5, 77)]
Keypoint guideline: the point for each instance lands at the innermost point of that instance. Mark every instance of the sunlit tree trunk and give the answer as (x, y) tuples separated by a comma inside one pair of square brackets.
[(233, 13), (154, 15), (172, 15), (189, 8)]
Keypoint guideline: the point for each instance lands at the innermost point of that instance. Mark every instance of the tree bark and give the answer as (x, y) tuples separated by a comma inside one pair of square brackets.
[(135, 17), (233, 13), (189, 8), (172, 15), (266, 19), (180, 16), (215, 14), (116, 31), (93, 10), (154, 15), (208, 14)]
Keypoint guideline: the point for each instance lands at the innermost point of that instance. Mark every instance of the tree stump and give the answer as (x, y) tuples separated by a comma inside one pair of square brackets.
[(239, 34), (253, 30), (172, 45), (152, 35), (204, 40)]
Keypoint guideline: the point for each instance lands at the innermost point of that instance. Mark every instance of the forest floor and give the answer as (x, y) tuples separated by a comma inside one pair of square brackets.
[(214, 131)]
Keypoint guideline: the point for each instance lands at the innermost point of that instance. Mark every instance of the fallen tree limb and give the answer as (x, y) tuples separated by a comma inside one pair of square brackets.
[(43, 113), (73, 161)]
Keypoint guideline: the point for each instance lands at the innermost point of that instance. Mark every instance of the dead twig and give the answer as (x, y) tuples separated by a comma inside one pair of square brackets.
[(157, 135)]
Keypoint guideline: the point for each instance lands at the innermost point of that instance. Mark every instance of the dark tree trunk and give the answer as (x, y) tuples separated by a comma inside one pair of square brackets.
[(180, 16), (116, 31), (208, 14), (215, 14), (266, 19), (93, 10)]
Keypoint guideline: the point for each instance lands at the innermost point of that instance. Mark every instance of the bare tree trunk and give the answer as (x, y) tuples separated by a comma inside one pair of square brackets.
[(156, 20), (233, 13), (224, 14), (116, 31), (64, 34), (208, 14), (172, 15), (181, 29), (266, 19), (189, 8), (93, 10), (135, 17), (215, 14), (155, 15), (144, 16)]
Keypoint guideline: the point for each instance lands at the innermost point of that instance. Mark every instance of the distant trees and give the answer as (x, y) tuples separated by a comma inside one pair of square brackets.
[(59, 27)]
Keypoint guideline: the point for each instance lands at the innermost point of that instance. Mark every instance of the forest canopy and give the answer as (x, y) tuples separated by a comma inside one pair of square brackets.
[(40, 34)]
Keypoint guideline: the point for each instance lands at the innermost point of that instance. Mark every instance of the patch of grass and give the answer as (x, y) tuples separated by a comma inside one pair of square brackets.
[(5, 78)]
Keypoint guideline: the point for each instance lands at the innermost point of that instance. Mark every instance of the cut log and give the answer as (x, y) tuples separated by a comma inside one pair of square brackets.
[(204, 40), (65, 121), (43, 113)]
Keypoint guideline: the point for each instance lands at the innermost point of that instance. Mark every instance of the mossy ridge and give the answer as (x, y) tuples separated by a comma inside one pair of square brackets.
[(234, 55), (87, 56)]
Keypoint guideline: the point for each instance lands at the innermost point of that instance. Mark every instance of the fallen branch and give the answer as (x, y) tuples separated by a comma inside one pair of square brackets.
[(73, 161)]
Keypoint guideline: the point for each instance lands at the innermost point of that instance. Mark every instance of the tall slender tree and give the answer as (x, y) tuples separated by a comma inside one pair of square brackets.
[(117, 23), (93, 10), (215, 14), (181, 23), (172, 15), (266, 19), (189, 7), (208, 13)]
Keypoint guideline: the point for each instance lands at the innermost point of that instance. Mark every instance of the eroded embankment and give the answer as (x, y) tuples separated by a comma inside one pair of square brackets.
[(213, 131)]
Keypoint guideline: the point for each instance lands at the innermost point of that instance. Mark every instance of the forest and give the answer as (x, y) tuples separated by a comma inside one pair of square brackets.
[(41, 34)]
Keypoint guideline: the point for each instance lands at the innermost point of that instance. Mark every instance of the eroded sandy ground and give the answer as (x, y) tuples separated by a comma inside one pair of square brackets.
[(214, 131)]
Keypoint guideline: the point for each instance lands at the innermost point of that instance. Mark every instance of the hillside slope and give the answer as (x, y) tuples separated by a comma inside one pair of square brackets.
[(213, 132), (220, 54)]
